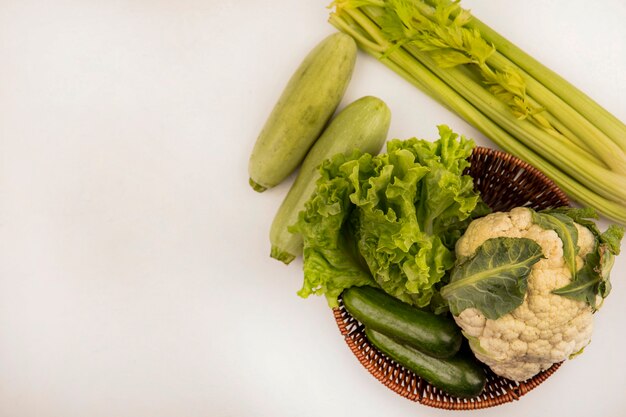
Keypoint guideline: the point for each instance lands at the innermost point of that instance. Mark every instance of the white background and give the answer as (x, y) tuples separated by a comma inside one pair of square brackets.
[(134, 270)]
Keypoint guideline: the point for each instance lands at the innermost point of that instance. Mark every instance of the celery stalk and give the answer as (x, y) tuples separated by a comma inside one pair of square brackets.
[(447, 96), (603, 146), (569, 158), (574, 161), (528, 98), (470, 102), (579, 101)]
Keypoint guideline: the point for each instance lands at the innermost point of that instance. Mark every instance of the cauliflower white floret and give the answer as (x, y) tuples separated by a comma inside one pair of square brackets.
[(546, 328)]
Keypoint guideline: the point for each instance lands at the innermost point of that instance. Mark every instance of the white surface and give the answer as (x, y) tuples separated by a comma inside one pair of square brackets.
[(134, 270)]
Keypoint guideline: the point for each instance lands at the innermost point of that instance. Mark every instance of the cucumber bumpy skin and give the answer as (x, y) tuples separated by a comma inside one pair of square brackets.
[(435, 335), (303, 109), (460, 375), (361, 125)]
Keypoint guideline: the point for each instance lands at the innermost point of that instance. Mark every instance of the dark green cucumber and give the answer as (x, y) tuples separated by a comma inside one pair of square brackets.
[(460, 375), (435, 335)]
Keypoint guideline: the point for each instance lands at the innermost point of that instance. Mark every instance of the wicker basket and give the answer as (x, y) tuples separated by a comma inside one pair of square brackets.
[(504, 182)]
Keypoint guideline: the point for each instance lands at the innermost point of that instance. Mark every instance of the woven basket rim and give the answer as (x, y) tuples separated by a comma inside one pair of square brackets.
[(551, 185), (406, 383)]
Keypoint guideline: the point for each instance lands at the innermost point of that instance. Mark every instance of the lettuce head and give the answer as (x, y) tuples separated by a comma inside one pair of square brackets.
[(389, 220)]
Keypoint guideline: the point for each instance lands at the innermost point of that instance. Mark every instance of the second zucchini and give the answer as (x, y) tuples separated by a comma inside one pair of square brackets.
[(361, 125)]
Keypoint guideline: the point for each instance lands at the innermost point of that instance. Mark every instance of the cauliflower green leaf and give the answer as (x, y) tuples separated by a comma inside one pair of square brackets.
[(494, 279), (585, 216), (565, 229), (587, 282), (591, 283)]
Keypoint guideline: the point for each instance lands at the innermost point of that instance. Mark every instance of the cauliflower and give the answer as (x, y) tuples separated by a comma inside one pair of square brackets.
[(546, 327)]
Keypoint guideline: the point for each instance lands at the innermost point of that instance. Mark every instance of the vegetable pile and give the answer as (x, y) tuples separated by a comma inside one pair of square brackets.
[(522, 106), (523, 286), (402, 237)]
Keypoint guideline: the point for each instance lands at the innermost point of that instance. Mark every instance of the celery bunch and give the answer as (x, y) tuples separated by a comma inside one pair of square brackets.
[(522, 106)]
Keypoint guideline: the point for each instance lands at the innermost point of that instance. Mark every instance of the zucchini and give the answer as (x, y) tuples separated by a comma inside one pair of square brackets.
[(305, 106), (361, 125), (435, 335), (460, 375)]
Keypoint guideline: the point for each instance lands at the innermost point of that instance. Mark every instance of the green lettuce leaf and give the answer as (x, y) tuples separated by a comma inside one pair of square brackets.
[(446, 199), (494, 279), (330, 265), (389, 220)]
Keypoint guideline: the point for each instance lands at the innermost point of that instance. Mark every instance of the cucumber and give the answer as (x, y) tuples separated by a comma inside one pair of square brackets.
[(308, 101), (435, 335), (460, 375), (361, 125)]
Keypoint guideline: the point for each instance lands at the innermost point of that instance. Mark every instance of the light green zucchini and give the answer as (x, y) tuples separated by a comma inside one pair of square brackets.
[(361, 125), (302, 111)]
